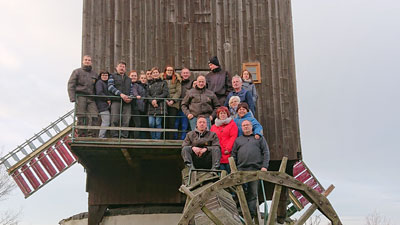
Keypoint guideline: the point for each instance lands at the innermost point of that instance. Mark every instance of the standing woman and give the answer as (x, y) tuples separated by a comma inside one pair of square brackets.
[(248, 85), (174, 87), (227, 132), (144, 120), (103, 103), (158, 88)]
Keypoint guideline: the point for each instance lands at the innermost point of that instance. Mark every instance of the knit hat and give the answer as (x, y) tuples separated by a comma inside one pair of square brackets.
[(243, 105), (223, 109), (214, 60)]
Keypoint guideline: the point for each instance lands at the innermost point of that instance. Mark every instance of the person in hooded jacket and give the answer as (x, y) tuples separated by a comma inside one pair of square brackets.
[(245, 114), (103, 103), (174, 88), (158, 88), (219, 81), (227, 132)]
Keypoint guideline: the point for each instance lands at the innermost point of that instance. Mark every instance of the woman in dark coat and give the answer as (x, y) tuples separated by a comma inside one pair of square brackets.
[(158, 88), (103, 104)]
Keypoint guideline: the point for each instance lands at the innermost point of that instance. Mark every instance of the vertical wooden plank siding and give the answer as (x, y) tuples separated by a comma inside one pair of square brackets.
[(186, 33)]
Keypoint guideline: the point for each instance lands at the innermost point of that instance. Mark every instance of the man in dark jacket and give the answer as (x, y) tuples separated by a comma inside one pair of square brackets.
[(250, 154), (199, 101), (218, 81), (182, 121), (82, 82), (119, 84), (199, 145)]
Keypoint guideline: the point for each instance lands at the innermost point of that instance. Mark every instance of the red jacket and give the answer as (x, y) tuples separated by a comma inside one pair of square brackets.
[(227, 134)]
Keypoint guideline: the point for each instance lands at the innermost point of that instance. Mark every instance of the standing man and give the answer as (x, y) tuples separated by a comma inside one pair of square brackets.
[(182, 121), (199, 145), (250, 154), (245, 96), (199, 101), (82, 82), (119, 84), (219, 81)]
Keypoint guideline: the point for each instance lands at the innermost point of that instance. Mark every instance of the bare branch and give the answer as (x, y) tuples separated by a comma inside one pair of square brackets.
[(376, 218)]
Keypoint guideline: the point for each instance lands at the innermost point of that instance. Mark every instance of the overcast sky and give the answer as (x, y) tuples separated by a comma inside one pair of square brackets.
[(346, 66)]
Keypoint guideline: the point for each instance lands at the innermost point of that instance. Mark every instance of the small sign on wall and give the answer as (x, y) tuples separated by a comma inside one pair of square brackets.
[(254, 69)]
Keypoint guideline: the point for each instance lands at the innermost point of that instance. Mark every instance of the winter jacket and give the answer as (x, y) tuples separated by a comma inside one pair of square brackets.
[(250, 154), (81, 81), (186, 85), (174, 89), (102, 90), (207, 139), (157, 89), (141, 90), (200, 102), (227, 132), (244, 96), (118, 84), (220, 82), (257, 128), (249, 86)]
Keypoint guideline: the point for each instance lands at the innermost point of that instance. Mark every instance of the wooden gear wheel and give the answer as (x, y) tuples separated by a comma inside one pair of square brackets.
[(197, 202)]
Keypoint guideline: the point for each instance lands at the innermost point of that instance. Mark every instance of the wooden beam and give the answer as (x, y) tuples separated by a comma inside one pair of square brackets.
[(276, 196), (127, 156), (206, 211), (303, 218), (96, 214), (295, 201), (241, 195), (211, 216)]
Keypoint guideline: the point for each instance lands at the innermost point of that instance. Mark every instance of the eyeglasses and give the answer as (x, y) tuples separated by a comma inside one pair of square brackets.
[(170, 70), (105, 74)]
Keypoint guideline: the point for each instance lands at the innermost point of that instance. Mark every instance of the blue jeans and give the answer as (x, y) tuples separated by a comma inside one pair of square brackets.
[(226, 167), (182, 121), (155, 122), (193, 123)]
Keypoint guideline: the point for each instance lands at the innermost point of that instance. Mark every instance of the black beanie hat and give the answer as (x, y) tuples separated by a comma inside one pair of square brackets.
[(214, 60)]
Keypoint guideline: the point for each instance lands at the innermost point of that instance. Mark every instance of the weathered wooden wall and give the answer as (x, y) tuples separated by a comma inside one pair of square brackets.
[(186, 33)]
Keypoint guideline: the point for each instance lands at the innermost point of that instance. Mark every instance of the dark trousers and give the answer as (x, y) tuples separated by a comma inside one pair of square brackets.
[(170, 121), (87, 114), (116, 113), (251, 192), (209, 159), (136, 121)]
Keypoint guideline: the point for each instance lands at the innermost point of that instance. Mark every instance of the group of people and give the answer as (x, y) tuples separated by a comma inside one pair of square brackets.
[(219, 109), (141, 100)]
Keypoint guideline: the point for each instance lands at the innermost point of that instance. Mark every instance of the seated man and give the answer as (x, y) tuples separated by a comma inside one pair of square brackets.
[(199, 146), (251, 154)]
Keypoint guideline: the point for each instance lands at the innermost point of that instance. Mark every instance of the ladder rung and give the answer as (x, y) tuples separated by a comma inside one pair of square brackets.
[(65, 122), (56, 128), (15, 157), (32, 146), (24, 151), (49, 134), (40, 139), (7, 164)]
